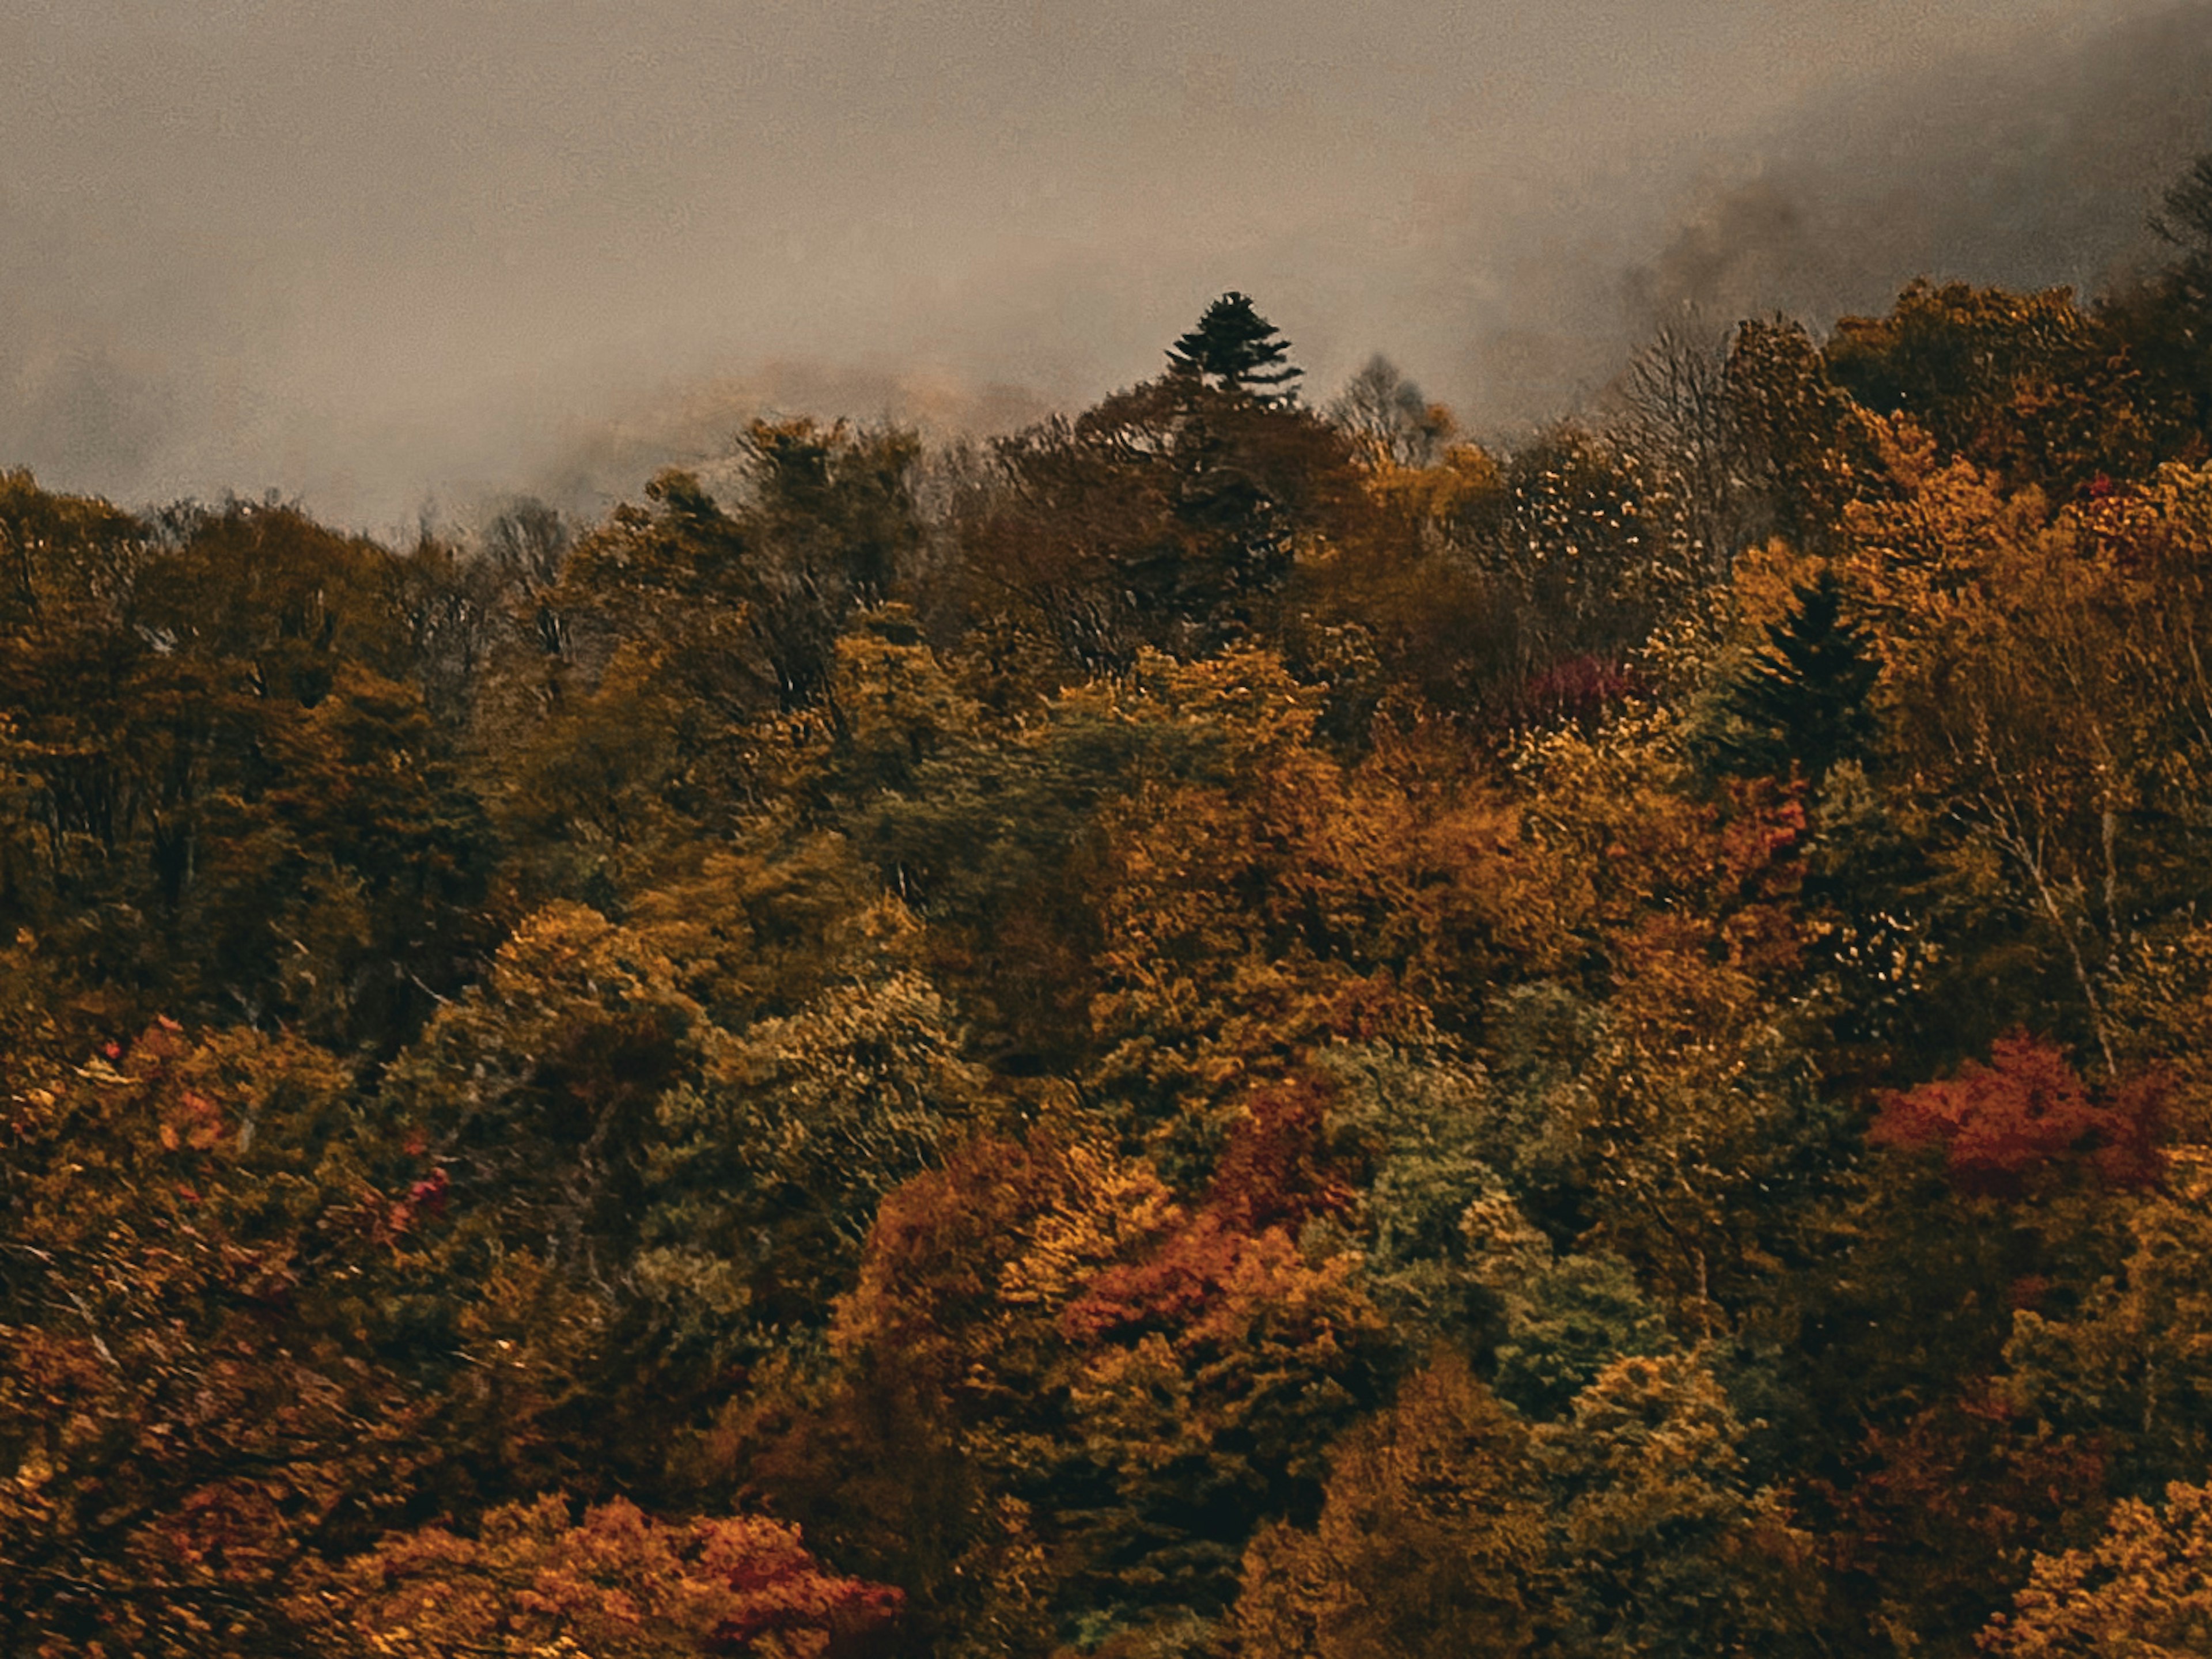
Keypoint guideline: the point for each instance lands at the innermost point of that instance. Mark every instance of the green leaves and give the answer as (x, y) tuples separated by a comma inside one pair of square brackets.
[(1669, 1549), (766, 1173), (1430, 1541), (1802, 697)]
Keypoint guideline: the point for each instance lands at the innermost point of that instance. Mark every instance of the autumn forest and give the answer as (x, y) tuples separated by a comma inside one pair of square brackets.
[(1231, 1025)]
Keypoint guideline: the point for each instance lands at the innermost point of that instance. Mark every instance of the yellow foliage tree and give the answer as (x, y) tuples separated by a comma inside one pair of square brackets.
[(2144, 1591), (1431, 1540)]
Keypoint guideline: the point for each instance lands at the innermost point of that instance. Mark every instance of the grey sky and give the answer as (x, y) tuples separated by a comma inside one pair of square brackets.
[(369, 250)]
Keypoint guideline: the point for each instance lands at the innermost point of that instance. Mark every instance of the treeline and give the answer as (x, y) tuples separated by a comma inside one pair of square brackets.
[(1213, 1028)]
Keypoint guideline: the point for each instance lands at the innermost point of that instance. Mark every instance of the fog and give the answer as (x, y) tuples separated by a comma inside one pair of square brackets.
[(391, 256)]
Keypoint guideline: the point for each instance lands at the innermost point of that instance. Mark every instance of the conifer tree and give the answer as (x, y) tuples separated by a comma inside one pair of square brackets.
[(1235, 345), (1802, 696)]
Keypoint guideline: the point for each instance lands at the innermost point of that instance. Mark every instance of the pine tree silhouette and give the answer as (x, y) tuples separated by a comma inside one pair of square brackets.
[(1234, 345)]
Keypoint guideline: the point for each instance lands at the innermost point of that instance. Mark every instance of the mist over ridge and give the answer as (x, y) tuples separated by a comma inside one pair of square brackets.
[(455, 251)]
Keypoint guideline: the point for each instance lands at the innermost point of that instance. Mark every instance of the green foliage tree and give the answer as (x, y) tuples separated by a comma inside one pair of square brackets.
[(225, 753), (1168, 514), (2125, 1364), (1567, 1323), (2185, 219), (1802, 696), (1667, 1547), (765, 1176)]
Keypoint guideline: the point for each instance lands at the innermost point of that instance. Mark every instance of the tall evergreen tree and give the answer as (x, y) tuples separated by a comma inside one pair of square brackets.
[(1235, 345), (1802, 696)]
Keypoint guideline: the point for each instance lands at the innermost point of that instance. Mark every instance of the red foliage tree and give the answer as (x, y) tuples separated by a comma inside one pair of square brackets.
[(2027, 1119), (1277, 1168), (1939, 1512)]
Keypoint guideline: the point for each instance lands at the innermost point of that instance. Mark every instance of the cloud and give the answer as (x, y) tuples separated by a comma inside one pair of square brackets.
[(375, 255)]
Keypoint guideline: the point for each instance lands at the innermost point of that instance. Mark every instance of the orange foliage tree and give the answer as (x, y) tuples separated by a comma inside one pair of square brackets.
[(531, 1580)]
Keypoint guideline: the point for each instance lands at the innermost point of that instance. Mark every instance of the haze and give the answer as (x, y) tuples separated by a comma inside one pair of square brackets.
[(383, 256)]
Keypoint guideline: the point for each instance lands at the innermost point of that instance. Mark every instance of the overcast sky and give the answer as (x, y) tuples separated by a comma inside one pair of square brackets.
[(373, 254)]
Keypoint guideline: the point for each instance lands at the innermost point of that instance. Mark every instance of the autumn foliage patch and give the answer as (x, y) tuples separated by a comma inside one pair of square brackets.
[(2027, 1118)]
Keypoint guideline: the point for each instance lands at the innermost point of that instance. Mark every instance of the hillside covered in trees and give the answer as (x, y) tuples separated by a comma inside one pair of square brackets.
[(1213, 1029)]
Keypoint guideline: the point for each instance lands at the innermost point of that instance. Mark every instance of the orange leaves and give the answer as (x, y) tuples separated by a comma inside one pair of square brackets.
[(2042, 697), (1429, 1539), (1618, 854), (1079, 1331), (188, 1249), (1205, 1280), (1045, 1248), (615, 1584), (1183, 1288), (2145, 1589), (192, 1123), (942, 1241), (2007, 1128), (1670, 912), (215, 1127), (2031, 385), (1289, 901)]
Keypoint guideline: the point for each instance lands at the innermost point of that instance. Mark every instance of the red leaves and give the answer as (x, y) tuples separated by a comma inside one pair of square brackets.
[(429, 1194), (1276, 1167), (1940, 1508), (1167, 1291), (388, 1221), (1275, 1174), (2026, 1117), (1581, 689), (779, 1591)]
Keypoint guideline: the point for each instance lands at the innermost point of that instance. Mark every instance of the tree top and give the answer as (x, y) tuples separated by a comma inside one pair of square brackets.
[(1235, 345)]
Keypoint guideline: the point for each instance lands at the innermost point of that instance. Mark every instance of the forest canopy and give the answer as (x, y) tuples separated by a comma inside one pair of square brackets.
[(1217, 1027)]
